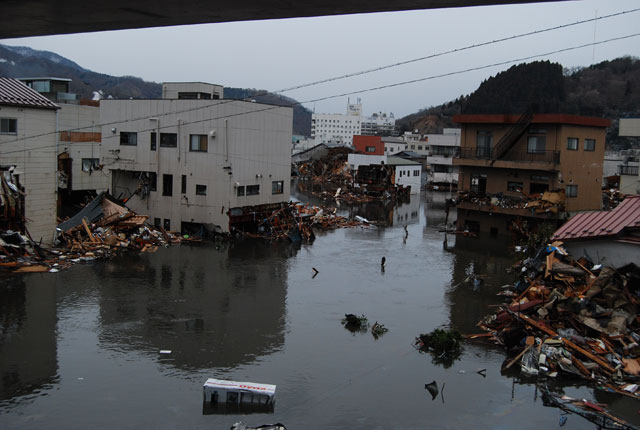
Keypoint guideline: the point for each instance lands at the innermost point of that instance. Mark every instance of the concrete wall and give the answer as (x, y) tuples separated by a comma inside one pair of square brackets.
[(248, 144), (77, 124), (334, 128), (606, 252), (35, 161)]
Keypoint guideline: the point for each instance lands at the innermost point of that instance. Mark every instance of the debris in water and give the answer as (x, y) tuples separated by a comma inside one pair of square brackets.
[(432, 387), (444, 345), (355, 323), (378, 330)]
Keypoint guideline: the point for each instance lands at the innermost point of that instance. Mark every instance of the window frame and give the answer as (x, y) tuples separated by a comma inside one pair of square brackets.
[(277, 187), (536, 139), (240, 191), (574, 192), (201, 138), (8, 122), (170, 144), (573, 143), (94, 164), (127, 141), (201, 190), (590, 141), (252, 190), (153, 141), (484, 143), (167, 185)]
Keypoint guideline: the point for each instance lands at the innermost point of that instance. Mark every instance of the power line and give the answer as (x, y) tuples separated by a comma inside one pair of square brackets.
[(471, 69), (452, 51), (363, 72)]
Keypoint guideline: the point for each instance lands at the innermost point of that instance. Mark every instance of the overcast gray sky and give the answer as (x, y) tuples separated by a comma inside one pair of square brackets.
[(277, 54)]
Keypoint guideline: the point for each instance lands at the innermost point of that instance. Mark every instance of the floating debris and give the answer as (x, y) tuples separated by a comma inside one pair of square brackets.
[(445, 346), (355, 323), (378, 330)]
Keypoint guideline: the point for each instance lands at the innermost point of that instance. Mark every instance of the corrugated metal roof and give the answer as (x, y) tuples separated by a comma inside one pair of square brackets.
[(602, 223), (16, 93)]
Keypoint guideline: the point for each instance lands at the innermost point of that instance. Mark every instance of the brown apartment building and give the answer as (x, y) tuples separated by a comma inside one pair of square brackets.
[(507, 159)]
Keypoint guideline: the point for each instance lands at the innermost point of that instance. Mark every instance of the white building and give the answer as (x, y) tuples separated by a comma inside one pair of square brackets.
[(393, 145), (379, 124), (197, 161), (442, 149), (336, 128), (415, 143), (629, 170), (28, 138)]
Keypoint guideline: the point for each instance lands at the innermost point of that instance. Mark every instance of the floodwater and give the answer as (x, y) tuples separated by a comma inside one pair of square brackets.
[(81, 348)]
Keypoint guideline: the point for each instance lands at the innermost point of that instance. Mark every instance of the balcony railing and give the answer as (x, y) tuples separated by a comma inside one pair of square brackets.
[(628, 170), (526, 156)]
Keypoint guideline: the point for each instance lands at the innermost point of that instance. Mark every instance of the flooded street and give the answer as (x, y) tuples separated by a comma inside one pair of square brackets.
[(81, 348)]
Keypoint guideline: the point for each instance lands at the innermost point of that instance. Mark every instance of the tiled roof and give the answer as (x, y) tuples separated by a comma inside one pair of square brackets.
[(601, 224), (16, 93)]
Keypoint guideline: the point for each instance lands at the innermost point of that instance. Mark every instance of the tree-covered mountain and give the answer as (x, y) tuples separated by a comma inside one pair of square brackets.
[(610, 89), (24, 62)]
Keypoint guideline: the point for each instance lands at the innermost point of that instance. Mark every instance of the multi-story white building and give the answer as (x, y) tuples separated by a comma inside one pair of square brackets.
[(28, 138), (379, 124), (336, 128), (442, 149), (201, 161)]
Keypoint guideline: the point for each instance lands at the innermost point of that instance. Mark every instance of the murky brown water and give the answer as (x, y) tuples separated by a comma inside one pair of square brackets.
[(81, 348)]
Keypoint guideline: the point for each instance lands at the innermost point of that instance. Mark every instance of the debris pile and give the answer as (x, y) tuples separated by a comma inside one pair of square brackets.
[(570, 318), (101, 229), (295, 222), (548, 202), (611, 198), (355, 323)]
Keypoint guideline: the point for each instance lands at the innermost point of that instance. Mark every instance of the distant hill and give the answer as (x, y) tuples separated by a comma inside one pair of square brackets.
[(23, 62), (610, 89)]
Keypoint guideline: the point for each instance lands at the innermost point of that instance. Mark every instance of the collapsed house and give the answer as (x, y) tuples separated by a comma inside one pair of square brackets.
[(566, 317)]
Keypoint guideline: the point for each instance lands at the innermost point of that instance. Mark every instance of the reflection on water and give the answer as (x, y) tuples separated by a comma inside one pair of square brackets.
[(90, 337), (27, 336), (212, 306)]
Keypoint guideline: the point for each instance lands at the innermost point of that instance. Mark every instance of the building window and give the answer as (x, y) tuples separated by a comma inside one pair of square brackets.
[(153, 141), (240, 191), (277, 187), (167, 185), (201, 190), (183, 185), (514, 186), (198, 143), (371, 149), (572, 143), (419, 147), (152, 180), (157, 222), (589, 144), (167, 224), (253, 190), (416, 173), (168, 140), (572, 191), (90, 164), (484, 143), (536, 144), (128, 138), (8, 126)]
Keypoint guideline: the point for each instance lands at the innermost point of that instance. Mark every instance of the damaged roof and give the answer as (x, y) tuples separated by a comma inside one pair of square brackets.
[(600, 224), (16, 93)]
